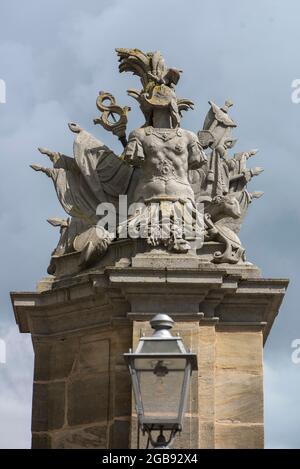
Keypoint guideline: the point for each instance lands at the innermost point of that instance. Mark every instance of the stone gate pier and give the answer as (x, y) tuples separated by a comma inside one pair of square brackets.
[(82, 324)]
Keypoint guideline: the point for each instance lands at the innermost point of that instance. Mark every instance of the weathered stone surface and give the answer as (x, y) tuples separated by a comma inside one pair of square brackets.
[(189, 436), (239, 377), (41, 441), (120, 434), (156, 260), (54, 359), (122, 393), (48, 407), (238, 436), (121, 342), (206, 434), (206, 383), (94, 437), (239, 349), (239, 396), (94, 356), (88, 399)]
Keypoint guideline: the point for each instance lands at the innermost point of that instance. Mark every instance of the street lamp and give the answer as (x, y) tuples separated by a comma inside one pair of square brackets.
[(160, 370)]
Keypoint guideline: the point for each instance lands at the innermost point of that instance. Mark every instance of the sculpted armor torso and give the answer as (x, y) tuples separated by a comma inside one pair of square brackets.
[(164, 155)]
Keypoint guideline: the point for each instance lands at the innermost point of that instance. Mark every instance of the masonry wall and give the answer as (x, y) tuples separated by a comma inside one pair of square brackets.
[(80, 329), (81, 391), (239, 419), (225, 405)]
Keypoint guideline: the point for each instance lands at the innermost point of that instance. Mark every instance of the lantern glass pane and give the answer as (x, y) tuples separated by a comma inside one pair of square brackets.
[(161, 382), (160, 346), (151, 363)]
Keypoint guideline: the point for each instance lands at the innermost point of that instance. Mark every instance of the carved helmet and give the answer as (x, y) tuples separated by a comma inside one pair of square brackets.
[(158, 82)]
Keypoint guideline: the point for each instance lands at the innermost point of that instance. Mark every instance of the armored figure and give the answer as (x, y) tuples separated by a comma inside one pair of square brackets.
[(163, 170), (165, 155)]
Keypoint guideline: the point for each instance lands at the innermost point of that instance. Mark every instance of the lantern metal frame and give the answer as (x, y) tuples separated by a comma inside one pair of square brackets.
[(161, 338)]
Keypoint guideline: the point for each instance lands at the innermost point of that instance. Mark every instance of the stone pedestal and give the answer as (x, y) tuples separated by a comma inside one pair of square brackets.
[(82, 324)]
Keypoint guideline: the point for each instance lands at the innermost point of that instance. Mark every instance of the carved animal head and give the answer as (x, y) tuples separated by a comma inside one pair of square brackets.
[(224, 207)]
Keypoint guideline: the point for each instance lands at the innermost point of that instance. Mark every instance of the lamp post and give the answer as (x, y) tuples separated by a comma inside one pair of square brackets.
[(160, 370)]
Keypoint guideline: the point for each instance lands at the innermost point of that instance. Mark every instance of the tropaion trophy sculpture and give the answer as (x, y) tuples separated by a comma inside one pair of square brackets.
[(184, 189)]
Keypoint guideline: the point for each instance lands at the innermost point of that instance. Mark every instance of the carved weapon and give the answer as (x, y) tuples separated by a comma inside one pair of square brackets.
[(247, 173), (116, 126)]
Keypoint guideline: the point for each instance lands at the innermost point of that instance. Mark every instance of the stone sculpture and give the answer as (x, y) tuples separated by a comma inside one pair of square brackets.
[(166, 172)]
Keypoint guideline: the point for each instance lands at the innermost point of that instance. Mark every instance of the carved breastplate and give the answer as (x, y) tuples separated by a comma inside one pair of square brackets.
[(165, 170), (163, 134)]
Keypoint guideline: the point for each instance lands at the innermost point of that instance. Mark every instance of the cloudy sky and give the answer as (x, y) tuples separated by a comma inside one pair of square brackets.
[(56, 55)]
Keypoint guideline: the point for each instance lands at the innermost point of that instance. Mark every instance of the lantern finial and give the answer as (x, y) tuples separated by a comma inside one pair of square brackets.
[(161, 323)]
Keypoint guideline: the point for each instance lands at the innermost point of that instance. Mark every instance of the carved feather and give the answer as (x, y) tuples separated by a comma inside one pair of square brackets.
[(159, 68), (135, 61), (184, 105), (58, 222)]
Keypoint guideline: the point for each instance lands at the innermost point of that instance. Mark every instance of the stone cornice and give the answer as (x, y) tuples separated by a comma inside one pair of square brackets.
[(188, 294)]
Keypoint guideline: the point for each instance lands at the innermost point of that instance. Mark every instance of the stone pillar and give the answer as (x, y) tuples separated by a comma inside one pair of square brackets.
[(239, 388), (82, 324), (206, 383)]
